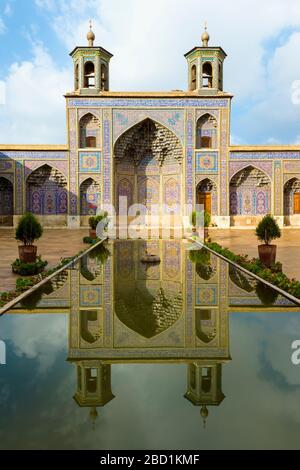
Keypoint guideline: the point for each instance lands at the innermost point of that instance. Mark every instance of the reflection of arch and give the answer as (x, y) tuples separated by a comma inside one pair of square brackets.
[(206, 132), (292, 197), (241, 280), (89, 131), (250, 192), (205, 325), (89, 197), (207, 75), (88, 317), (6, 202), (206, 382), (46, 189), (206, 195), (89, 75), (148, 314)]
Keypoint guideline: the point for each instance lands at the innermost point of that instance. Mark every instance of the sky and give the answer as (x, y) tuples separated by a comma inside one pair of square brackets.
[(148, 40)]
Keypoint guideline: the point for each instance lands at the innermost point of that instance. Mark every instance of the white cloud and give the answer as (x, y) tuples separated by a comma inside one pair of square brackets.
[(148, 41), (40, 337), (34, 109)]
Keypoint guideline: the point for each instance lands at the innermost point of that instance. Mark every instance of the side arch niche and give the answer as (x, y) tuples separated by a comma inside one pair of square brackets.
[(6, 202), (47, 195)]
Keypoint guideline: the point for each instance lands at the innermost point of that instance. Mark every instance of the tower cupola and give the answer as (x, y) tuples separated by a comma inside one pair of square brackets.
[(205, 67), (91, 67)]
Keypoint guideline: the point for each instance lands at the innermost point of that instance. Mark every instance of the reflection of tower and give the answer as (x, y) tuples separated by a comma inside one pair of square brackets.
[(93, 385), (204, 386)]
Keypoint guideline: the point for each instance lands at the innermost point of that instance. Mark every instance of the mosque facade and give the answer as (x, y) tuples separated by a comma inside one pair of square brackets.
[(167, 150)]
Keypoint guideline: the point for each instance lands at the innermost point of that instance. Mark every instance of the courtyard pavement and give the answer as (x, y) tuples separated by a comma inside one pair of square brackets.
[(242, 241), (57, 244), (53, 245)]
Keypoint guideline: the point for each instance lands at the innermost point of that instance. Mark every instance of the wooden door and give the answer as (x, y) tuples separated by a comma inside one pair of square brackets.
[(205, 200), (296, 203)]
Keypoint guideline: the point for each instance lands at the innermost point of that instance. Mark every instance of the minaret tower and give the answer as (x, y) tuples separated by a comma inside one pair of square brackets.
[(204, 386), (91, 67), (205, 67)]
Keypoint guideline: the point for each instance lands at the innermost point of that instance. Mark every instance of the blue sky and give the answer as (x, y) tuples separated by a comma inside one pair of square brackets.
[(148, 40)]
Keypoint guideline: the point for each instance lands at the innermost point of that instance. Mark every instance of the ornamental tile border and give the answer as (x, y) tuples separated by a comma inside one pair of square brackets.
[(148, 103)]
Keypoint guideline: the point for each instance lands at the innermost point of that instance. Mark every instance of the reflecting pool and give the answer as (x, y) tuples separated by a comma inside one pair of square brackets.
[(188, 353)]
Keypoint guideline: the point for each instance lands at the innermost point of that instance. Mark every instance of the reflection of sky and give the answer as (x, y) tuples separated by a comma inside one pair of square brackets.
[(261, 408)]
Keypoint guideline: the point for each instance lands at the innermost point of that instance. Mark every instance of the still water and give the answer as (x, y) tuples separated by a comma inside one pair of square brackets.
[(185, 354)]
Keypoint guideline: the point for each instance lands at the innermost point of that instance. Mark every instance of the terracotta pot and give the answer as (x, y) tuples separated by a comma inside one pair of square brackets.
[(93, 234), (267, 254), (27, 253), (206, 235)]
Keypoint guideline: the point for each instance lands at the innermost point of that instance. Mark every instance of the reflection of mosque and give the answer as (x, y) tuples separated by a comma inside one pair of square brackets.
[(174, 312)]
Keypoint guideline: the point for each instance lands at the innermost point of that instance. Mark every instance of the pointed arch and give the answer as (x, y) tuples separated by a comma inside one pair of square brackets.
[(155, 136), (89, 74), (46, 191), (90, 197), (249, 165), (143, 116), (6, 201), (206, 195), (207, 75), (36, 165), (206, 132), (250, 192), (89, 131), (291, 192)]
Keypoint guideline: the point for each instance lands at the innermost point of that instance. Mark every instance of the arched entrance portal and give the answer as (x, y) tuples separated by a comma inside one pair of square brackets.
[(148, 169), (250, 196), (47, 195), (292, 202), (6, 202)]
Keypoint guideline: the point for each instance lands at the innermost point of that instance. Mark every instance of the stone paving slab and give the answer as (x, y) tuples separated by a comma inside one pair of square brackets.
[(242, 241), (53, 245)]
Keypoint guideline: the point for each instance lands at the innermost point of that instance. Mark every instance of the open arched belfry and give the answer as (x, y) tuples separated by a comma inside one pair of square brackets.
[(168, 150)]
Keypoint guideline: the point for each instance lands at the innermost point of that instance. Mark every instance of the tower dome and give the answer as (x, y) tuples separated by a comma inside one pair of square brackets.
[(205, 37), (91, 36)]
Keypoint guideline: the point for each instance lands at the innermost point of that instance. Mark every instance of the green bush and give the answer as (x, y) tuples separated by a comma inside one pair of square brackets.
[(267, 229), (29, 269), (206, 218), (101, 253), (23, 284), (200, 256), (274, 274), (29, 229), (90, 241), (94, 220)]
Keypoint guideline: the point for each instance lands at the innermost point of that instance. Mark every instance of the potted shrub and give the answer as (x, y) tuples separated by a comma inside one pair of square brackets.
[(266, 231), (93, 222), (194, 221), (28, 230)]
